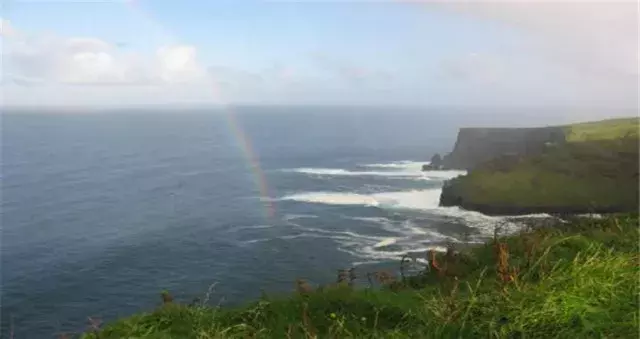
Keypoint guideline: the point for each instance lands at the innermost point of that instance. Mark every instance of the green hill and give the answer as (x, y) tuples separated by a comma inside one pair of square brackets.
[(594, 170), (575, 280)]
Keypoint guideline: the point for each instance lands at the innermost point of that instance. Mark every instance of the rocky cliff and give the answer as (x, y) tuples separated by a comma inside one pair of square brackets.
[(478, 145), (580, 168)]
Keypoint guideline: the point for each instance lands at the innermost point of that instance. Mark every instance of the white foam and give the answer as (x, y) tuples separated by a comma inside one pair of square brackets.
[(449, 174), (591, 216), (385, 242), (332, 198), (343, 172), (404, 164), (408, 238), (531, 216), (416, 199), (420, 200), (341, 235), (401, 169), (372, 255)]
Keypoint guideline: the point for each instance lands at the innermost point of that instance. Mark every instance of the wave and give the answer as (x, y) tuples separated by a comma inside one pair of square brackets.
[(373, 255), (331, 198), (426, 200), (385, 242), (406, 238), (448, 174), (402, 236), (403, 169), (293, 216), (343, 172), (418, 199), (405, 164)]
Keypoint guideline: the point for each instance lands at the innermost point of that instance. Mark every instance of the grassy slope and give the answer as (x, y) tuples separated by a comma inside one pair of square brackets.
[(603, 130), (596, 170), (575, 281)]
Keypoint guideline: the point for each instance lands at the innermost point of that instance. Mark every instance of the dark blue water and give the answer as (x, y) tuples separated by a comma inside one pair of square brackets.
[(102, 211)]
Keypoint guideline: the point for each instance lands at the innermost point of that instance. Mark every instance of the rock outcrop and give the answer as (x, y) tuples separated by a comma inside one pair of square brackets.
[(475, 146), (435, 164)]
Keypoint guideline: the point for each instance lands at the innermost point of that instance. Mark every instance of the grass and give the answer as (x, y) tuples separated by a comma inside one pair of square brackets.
[(603, 130), (575, 280)]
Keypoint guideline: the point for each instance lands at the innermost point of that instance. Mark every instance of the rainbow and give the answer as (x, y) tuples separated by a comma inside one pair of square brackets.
[(244, 143), (242, 140)]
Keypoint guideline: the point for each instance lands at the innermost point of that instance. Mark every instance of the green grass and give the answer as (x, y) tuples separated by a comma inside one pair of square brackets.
[(576, 280), (603, 130)]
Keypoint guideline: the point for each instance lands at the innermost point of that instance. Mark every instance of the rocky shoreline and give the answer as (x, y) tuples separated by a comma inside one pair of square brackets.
[(501, 210)]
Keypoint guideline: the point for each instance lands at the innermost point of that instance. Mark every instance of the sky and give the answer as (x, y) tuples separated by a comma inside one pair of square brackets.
[(509, 53)]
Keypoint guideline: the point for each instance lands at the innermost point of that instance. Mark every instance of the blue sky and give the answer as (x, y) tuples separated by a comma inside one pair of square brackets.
[(297, 52)]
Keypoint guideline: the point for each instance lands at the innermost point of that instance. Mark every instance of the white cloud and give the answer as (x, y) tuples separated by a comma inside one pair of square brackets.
[(47, 69), (55, 60), (179, 64), (583, 53), (597, 36)]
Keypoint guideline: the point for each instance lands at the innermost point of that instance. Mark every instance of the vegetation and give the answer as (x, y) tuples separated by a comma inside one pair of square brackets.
[(603, 130), (575, 280), (595, 170)]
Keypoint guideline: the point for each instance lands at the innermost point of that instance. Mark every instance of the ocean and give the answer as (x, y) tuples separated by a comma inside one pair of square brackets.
[(101, 211)]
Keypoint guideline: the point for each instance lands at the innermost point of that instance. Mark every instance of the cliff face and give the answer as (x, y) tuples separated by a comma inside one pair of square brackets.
[(478, 145)]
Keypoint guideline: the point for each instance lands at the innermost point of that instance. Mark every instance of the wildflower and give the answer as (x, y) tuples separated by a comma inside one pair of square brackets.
[(332, 315), (363, 319)]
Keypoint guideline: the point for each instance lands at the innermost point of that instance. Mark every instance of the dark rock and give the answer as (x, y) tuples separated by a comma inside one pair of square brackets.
[(436, 161), (435, 164)]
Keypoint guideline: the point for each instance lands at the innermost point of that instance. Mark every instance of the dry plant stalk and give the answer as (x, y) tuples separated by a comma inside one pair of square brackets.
[(166, 297), (505, 273), (434, 265), (384, 278), (303, 287), (309, 329)]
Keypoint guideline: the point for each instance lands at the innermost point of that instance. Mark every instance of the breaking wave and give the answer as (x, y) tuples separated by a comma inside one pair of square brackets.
[(402, 169), (393, 238), (419, 200), (404, 164)]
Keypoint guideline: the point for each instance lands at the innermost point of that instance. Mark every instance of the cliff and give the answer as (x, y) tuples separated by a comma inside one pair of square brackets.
[(475, 146), (589, 167)]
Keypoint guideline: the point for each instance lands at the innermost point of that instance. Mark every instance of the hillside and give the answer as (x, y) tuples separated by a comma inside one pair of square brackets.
[(572, 280), (595, 169)]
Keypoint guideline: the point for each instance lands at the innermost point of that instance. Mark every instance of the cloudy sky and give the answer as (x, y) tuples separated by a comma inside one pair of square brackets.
[(422, 53)]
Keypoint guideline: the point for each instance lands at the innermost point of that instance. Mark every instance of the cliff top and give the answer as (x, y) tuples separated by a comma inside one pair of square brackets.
[(603, 130)]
